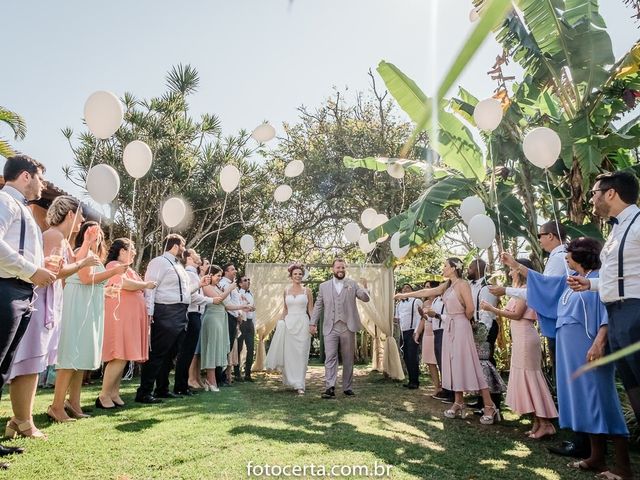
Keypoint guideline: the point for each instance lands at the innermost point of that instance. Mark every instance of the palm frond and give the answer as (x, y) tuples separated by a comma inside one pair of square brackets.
[(183, 79), (15, 122)]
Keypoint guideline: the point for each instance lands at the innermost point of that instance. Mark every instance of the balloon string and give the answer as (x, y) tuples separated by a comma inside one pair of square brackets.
[(240, 206), (497, 203), (75, 217), (215, 245)]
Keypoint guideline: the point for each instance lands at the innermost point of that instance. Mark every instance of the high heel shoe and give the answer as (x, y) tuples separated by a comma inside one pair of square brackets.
[(490, 419), (57, 419), (23, 429), (100, 405), (456, 410), (73, 413)]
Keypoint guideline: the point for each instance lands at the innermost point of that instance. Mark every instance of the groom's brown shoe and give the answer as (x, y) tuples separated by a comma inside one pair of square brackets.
[(329, 393)]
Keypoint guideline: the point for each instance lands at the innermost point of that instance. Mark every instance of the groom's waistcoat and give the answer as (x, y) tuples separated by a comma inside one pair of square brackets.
[(339, 317)]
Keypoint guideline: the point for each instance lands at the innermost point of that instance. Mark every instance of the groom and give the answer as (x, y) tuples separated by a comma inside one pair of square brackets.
[(337, 299)]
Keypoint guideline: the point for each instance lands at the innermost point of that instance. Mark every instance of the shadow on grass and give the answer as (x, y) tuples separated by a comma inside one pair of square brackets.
[(137, 425)]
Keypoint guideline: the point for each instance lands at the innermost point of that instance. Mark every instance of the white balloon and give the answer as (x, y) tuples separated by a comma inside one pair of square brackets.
[(395, 170), (352, 232), (381, 219), (137, 158), (470, 207), (247, 244), (282, 193), (482, 231), (173, 211), (229, 178), (488, 114), (363, 243), (294, 168), (396, 249), (542, 147), (474, 15), (368, 218), (263, 133), (103, 113), (103, 183)]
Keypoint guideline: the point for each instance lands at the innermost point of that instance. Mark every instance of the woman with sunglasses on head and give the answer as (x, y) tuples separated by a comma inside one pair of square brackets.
[(461, 369)]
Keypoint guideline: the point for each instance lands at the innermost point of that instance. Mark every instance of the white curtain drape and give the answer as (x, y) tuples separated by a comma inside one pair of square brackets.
[(268, 281)]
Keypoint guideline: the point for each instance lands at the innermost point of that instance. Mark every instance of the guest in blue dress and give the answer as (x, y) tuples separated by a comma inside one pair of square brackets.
[(590, 402)]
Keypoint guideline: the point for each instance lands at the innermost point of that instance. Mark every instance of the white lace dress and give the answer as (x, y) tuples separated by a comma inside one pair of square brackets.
[(289, 349)]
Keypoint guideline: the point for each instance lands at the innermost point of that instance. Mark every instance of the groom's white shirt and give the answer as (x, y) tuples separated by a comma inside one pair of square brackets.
[(338, 285)]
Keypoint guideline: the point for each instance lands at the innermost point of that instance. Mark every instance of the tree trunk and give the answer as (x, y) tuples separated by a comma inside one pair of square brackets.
[(576, 212)]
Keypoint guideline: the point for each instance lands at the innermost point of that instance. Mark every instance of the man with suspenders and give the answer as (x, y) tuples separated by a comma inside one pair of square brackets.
[(21, 259), (167, 306), (408, 315), (615, 196)]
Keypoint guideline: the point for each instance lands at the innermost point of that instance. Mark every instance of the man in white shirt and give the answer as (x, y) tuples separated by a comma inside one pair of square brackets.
[(408, 315), (21, 259), (614, 196), (167, 306), (247, 329), (196, 308), (234, 317)]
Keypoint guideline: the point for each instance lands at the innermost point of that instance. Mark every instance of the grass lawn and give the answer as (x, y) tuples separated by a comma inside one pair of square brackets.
[(215, 435)]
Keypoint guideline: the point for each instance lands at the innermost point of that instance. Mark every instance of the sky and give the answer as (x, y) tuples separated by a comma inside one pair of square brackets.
[(257, 59)]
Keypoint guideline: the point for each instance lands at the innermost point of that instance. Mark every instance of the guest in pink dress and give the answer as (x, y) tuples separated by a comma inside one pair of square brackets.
[(527, 391), (461, 369), (126, 323)]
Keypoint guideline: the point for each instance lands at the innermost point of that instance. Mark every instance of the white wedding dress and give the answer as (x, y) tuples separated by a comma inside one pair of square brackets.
[(289, 349)]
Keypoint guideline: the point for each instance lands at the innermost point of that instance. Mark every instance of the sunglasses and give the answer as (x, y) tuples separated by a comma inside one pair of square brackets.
[(541, 234)]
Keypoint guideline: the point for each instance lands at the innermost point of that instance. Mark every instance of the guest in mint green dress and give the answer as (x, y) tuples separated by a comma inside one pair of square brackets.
[(214, 335), (82, 324)]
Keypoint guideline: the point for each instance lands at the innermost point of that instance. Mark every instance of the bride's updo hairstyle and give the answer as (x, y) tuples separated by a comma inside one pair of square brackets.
[(295, 266)]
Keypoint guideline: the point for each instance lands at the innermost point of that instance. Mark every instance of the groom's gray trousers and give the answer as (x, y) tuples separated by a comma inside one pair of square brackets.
[(339, 336)]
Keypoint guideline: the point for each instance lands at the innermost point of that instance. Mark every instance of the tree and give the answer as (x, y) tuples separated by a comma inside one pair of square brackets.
[(188, 155), (17, 124), (328, 194)]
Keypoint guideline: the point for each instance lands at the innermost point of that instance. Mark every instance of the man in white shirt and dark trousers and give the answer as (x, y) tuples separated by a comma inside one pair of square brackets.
[(408, 315), (233, 316), (21, 259), (247, 329), (480, 292), (196, 308), (167, 306), (614, 196)]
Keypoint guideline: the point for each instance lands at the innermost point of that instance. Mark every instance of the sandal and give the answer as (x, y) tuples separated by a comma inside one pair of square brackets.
[(23, 429), (609, 475), (57, 419), (490, 419), (584, 466), (547, 433), (456, 410)]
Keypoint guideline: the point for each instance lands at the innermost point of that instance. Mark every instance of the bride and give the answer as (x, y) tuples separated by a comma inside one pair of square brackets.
[(289, 350)]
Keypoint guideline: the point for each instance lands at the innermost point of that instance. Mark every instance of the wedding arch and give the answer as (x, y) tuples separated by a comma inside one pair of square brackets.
[(270, 279)]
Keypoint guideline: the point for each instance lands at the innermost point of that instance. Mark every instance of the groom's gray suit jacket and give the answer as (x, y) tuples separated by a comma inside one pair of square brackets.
[(338, 307)]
